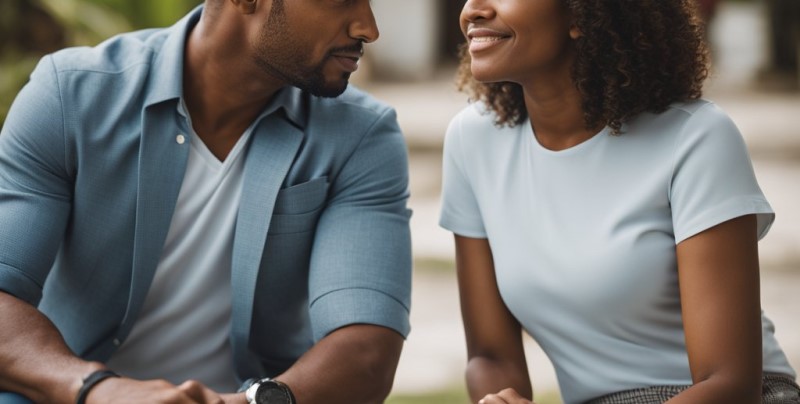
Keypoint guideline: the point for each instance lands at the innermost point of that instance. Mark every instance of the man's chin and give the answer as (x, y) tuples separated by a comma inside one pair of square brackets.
[(329, 91)]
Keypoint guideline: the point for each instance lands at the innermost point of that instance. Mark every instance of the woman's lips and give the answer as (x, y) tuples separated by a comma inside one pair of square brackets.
[(484, 38), (480, 43)]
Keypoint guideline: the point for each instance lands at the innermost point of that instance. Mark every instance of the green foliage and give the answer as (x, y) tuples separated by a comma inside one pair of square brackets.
[(85, 22), (147, 13), (31, 28)]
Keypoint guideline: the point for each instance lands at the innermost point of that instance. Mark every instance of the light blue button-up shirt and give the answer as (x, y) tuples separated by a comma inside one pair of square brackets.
[(90, 168)]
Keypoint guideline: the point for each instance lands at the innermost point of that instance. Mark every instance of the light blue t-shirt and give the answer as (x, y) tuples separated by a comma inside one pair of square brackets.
[(583, 239)]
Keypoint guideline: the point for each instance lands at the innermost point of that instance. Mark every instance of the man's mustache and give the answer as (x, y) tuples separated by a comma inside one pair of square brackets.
[(356, 47)]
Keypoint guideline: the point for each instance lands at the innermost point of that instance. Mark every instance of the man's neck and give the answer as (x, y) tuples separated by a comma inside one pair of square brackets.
[(223, 91)]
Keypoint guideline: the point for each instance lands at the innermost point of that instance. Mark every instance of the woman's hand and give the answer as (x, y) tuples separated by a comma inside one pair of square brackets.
[(507, 396)]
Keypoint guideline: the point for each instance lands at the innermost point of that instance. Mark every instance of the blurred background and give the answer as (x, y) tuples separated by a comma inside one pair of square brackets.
[(756, 79)]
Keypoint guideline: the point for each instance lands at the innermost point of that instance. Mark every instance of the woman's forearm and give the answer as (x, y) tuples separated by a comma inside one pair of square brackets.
[(720, 389), (488, 376)]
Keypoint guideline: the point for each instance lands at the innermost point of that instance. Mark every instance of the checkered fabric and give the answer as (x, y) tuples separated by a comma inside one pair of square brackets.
[(776, 389)]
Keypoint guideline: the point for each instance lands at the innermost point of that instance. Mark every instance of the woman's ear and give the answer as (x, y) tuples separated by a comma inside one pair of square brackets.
[(574, 32), (245, 6)]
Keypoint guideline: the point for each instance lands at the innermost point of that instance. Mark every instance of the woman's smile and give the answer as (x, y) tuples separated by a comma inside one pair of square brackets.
[(483, 38)]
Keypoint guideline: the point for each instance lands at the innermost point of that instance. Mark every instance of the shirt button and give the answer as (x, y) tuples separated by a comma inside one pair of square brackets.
[(116, 341), (180, 139)]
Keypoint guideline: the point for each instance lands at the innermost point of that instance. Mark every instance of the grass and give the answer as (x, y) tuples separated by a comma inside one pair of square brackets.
[(457, 395), (450, 396), (435, 265)]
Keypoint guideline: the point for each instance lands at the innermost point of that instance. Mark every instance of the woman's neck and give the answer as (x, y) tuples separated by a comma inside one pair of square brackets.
[(555, 110)]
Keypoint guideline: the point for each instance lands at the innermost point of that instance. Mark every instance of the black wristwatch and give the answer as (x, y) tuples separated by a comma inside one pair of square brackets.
[(269, 391)]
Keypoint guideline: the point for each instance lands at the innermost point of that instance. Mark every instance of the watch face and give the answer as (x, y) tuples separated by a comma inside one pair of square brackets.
[(271, 392)]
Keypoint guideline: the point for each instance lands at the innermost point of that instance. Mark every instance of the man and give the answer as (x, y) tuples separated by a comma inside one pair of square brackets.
[(182, 210)]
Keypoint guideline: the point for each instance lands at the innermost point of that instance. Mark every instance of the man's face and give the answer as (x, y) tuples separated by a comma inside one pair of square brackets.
[(315, 44)]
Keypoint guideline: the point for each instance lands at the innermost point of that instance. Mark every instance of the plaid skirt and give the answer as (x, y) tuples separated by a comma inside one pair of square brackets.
[(776, 389)]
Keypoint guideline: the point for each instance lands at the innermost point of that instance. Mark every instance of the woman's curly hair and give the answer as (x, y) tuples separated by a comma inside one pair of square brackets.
[(633, 56)]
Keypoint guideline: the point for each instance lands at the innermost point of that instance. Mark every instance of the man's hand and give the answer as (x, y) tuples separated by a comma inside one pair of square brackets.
[(235, 398), (124, 390), (507, 396)]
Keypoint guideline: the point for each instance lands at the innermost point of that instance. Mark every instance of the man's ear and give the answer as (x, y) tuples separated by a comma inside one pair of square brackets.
[(245, 6)]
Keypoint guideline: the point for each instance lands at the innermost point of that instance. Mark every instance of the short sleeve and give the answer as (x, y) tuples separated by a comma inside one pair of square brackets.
[(713, 179), (35, 187), (361, 260), (460, 212)]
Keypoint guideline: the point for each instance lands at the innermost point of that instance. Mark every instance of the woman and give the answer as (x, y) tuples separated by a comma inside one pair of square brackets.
[(604, 208)]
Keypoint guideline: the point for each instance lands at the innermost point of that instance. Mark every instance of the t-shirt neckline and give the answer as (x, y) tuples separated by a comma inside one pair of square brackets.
[(527, 131)]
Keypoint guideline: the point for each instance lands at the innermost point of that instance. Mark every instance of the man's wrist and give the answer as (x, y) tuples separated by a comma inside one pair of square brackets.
[(267, 391), (246, 385), (74, 375), (90, 381)]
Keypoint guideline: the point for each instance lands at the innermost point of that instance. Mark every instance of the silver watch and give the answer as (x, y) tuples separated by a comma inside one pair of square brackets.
[(269, 391)]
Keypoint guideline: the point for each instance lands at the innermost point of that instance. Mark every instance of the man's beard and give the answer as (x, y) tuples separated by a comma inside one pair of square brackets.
[(287, 62)]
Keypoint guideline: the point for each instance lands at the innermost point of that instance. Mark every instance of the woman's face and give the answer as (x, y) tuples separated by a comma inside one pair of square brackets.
[(517, 40)]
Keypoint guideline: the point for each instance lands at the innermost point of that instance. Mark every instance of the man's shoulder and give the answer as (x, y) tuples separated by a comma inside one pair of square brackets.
[(352, 103), (112, 56), (348, 122)]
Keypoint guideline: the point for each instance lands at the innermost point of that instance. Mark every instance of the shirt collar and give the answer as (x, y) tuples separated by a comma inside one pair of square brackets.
[(167, 73)]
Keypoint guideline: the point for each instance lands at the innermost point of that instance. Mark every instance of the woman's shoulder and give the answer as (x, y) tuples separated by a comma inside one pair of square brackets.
[(699, 117), (473, 135), (704, 119), (475, 113), (698, 111), (700, 107), (477, 123)]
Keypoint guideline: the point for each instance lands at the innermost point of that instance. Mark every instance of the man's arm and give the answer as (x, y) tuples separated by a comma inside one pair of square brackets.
[(354, 364), (35, 203), (360, 276), (37, 363), (34, 359)]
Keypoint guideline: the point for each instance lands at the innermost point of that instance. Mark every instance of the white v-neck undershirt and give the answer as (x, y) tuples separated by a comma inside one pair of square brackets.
[(183, 329)]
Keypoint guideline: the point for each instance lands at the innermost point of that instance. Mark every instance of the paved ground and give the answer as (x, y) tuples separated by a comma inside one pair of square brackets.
[(434, 355)]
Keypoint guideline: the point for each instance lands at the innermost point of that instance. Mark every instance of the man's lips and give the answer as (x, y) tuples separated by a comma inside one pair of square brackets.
[(348, 63), (348, 57)]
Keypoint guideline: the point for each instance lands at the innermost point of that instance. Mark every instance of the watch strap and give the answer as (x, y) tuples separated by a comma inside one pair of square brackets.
[(246, 385), (89, 382)]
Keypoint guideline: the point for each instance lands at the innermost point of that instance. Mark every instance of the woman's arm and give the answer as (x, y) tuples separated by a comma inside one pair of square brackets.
[(496, 359), (720, 299)]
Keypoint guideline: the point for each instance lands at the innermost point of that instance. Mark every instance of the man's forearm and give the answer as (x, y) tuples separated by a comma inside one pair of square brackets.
[(34, 359), (355, 364)]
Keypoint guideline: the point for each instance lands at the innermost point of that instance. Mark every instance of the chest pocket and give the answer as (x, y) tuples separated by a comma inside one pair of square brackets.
[(298, 207)]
